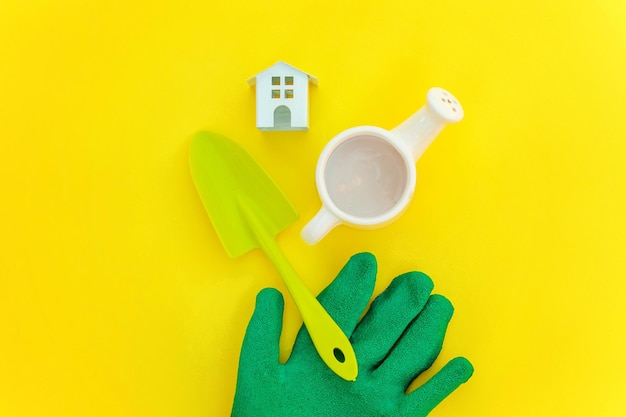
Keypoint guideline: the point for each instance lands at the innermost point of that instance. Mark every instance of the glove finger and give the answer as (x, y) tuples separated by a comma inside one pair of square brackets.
[(389, 316), (260, 349), (421, 401), (419, 346), (345, 298)]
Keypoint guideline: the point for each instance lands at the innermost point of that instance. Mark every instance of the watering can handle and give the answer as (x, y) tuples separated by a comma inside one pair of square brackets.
[(319, 226)]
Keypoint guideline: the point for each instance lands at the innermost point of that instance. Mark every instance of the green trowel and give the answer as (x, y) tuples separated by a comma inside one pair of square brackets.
[(248, 210)]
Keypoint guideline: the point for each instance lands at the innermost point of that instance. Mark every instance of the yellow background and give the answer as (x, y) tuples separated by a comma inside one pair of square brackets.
[(116, 298)]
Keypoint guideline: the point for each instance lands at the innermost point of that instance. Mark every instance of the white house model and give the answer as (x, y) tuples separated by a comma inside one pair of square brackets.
[(282, 98)]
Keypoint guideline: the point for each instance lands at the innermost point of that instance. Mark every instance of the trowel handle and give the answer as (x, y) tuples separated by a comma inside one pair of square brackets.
[(330, 341)]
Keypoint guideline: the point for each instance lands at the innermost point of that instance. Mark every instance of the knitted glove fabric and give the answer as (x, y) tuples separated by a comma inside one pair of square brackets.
[(399, 338)]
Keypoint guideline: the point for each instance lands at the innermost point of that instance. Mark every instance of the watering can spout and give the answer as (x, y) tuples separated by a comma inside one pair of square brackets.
[(419, 130)]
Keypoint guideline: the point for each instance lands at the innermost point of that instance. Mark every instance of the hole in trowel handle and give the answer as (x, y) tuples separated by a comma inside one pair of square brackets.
[(339, 355)]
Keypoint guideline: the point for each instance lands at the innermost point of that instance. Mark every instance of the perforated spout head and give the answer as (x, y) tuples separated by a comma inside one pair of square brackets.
[(444, 105)]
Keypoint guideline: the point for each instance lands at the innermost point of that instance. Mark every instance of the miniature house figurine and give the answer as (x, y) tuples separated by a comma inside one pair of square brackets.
[(282, 98)]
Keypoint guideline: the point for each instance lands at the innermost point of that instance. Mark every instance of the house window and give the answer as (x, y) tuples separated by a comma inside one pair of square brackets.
[(275, 80), (288, 80), (275, 93), (288, 93)]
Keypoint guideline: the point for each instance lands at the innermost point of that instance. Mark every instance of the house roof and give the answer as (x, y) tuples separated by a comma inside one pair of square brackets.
[(252, 80)]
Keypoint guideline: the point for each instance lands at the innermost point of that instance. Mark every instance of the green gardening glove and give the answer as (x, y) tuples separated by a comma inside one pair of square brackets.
[(399, 337)]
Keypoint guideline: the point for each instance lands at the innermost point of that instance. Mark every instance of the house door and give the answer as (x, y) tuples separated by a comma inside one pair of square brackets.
[(282, 117)]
